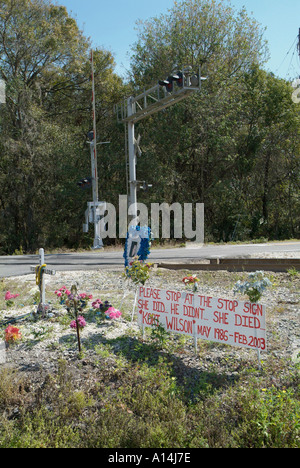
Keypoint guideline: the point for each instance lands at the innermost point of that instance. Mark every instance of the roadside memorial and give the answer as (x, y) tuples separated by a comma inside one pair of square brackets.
[(136, 252), (227, 321), (41, 270)]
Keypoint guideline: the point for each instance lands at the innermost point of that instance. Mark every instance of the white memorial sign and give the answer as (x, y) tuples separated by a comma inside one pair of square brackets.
[(226, 321)]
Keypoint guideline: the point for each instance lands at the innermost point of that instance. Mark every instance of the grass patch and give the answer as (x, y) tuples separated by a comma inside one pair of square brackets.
[(151, 392), (140, 400)]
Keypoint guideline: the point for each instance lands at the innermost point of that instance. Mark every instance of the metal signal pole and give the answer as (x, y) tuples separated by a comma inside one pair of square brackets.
[(153, 100)]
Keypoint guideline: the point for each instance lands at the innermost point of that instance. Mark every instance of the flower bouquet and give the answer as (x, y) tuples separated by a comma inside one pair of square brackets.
[(254, 286), (191, 281), (12, 335), (9, 298)]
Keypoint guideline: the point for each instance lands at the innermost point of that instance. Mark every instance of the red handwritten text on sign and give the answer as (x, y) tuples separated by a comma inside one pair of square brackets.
[(215, 319)]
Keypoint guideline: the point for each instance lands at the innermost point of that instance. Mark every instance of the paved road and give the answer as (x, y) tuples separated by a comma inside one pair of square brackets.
[(20, 265)]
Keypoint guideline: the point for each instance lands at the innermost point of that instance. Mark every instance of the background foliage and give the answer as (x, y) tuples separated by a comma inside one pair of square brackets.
[(234, 146)]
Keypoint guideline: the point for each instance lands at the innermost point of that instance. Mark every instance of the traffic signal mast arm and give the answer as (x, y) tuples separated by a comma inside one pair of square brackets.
[(160, 96), (175, 88)]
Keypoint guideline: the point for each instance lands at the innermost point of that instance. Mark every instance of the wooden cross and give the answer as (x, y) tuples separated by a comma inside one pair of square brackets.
[(41, 270)]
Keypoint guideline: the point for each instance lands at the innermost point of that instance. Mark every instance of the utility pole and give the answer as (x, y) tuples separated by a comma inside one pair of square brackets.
[(132, 159), (92, 213), (175, 88), (93, 143)]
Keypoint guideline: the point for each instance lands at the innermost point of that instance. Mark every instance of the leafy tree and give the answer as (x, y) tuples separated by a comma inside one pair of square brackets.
[(234, 145), (44, 60), (271, 142), (224, 42)]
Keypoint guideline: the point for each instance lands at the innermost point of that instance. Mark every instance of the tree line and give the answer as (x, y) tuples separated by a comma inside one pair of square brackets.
[(234, 146)]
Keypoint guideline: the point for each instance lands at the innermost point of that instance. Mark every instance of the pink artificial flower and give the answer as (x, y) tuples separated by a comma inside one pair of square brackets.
[(113, 313), (81, 323), (96, 304), (9, 296)]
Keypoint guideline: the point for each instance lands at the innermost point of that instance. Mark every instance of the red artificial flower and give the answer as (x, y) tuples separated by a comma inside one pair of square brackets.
[(12, 334), (190, 279)]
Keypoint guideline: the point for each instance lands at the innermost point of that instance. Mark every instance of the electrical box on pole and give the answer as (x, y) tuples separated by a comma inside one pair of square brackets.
[(178, 86)]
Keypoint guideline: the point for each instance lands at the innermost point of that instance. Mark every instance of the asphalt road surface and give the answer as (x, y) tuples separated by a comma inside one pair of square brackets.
[(17, 265)]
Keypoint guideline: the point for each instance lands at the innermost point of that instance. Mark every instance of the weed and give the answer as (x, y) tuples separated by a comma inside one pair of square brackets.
[(293, 272)]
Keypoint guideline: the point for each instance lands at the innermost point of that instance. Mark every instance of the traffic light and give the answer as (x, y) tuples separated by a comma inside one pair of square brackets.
[(185, 79), (90, 135), (85, 183), (169, 82), (178, 78), (145, 187), (195, 80)]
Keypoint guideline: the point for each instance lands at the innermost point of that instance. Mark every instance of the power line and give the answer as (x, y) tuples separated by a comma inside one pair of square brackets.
[(299, 47), (291, 64), (286, 55)]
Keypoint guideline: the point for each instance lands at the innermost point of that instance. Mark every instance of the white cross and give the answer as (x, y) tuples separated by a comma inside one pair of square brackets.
[(40, 272)]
